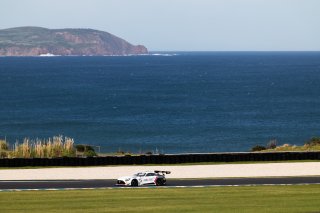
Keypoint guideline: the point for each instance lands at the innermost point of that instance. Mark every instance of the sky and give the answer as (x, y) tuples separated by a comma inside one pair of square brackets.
[(181, 25)]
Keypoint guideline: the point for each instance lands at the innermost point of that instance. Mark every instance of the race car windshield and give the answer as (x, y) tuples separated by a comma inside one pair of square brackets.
[(139, 174)]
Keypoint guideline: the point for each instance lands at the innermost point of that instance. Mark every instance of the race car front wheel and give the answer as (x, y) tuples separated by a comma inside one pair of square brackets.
[(134, 182)]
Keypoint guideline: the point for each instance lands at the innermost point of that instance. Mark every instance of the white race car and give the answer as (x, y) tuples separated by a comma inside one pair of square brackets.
[(156, 178)]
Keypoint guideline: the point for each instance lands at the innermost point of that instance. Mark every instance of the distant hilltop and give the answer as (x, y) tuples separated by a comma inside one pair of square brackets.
[(35, 41)]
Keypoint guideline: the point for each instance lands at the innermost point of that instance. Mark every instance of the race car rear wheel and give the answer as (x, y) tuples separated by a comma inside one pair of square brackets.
[(159, 182), (134, 182)]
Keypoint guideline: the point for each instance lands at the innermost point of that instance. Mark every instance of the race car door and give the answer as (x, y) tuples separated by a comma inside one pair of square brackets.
[(149, 178)]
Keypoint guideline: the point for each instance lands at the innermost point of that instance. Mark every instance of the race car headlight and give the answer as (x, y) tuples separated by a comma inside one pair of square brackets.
[(127, 179)]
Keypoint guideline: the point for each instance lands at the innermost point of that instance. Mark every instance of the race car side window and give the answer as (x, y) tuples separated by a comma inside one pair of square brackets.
[(151, 174)]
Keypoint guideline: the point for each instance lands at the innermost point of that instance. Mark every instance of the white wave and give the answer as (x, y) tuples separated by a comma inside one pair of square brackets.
[(163, 54), (48, 55)]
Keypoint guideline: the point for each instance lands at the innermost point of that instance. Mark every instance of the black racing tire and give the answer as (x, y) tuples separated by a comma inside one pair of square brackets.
[(159, 182), (134, 183)]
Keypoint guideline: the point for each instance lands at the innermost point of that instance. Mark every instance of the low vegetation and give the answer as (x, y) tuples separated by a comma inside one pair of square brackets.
[(3, 148), (311, 145), (86, 150), (57, 146), (211, 199)]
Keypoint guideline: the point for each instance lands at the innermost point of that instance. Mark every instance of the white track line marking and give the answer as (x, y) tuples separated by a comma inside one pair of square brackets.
[(165, 187)]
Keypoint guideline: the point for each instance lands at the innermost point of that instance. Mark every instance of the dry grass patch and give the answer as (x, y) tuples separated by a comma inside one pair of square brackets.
[(57, 146)]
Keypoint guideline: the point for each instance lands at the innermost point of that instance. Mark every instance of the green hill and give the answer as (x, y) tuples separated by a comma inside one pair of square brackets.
[(34, 41)]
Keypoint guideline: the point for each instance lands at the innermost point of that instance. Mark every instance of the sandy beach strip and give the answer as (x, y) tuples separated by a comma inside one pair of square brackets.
[(177, 171)]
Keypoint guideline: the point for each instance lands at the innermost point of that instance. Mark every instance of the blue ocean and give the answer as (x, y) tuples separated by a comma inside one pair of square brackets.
[(168, 102)]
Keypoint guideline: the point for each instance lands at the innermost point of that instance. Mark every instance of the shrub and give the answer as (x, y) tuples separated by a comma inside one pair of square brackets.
[(258, 148), (80, 148), (84, 148), (313, 141), (3, 145), (90, 153), (3, 154)]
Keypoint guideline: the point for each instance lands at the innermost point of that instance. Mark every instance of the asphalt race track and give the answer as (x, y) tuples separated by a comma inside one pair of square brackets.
[(81, 184)]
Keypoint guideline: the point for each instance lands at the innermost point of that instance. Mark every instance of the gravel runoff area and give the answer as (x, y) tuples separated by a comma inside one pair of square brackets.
[(177, 171)]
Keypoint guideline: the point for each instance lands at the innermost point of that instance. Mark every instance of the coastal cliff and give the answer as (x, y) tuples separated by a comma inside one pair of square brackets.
[(35, 41)]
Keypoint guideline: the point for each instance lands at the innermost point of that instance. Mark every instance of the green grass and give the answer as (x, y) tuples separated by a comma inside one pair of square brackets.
[(211, 199)]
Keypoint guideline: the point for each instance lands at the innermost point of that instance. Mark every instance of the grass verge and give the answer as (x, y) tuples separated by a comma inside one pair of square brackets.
[(299, 198)]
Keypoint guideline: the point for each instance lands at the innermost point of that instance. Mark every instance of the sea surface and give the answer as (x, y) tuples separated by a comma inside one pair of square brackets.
[(168, 103)]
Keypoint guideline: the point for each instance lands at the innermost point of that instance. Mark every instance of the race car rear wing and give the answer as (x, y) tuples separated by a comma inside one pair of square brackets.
[(162, 172)]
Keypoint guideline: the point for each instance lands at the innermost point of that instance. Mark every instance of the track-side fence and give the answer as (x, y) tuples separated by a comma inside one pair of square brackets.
[(161, 159)]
